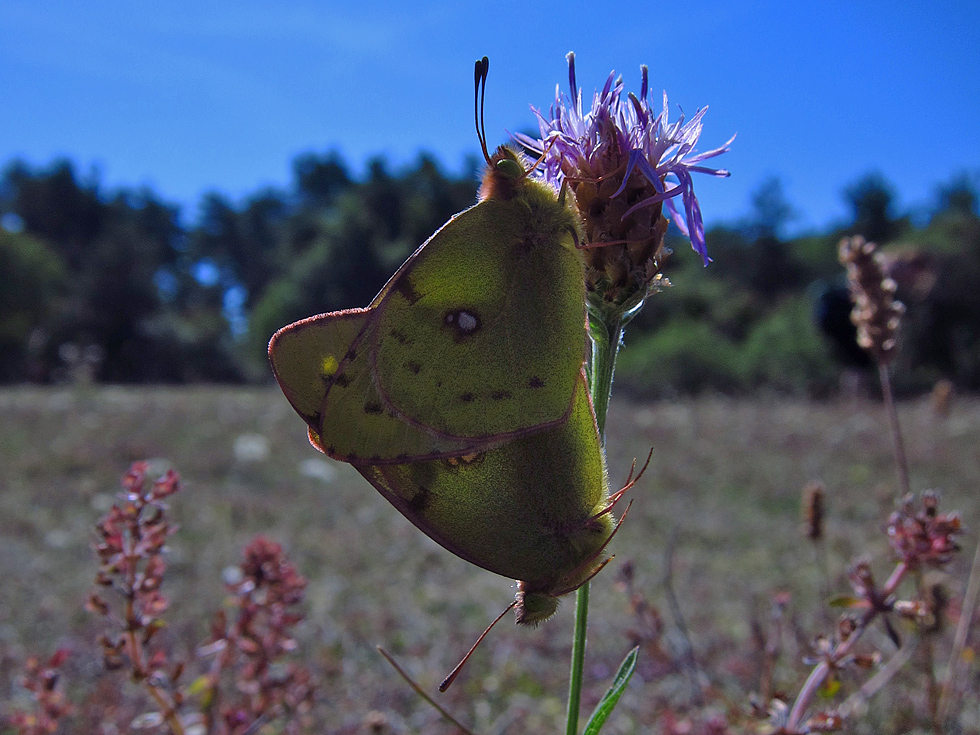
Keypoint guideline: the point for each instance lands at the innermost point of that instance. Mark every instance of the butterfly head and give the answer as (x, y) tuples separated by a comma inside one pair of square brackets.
[(534, 607), (505, 176)]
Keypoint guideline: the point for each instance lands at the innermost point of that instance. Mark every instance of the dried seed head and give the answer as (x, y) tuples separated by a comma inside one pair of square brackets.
[(942, 398), (935, 598), (813, 510), (920, 534), (876, 313)]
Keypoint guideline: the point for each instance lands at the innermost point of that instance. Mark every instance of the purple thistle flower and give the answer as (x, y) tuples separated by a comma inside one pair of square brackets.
[(593, 146)]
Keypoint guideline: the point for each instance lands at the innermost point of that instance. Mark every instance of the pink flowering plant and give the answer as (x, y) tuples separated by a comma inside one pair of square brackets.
[(246, 682)]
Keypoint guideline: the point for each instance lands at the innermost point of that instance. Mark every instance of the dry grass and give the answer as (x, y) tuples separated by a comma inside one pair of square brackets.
[(726, 477)]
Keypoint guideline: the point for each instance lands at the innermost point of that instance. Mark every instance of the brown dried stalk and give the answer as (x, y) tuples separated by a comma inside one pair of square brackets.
[(920, 537)]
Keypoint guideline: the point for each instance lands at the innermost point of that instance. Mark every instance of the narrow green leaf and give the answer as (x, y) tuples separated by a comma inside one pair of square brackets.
[(612, 695)]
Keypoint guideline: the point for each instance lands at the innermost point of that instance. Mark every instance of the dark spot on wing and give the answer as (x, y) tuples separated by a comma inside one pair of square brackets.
[(413, 366), (466, 397), (500, 395), (420, 501), (406, 288), (535, 382), (373, 408)]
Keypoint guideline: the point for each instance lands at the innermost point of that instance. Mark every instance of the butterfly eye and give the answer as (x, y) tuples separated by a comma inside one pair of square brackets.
[(510, 168)]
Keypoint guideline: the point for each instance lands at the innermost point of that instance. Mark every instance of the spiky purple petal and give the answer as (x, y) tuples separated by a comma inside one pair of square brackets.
[(663, 152)]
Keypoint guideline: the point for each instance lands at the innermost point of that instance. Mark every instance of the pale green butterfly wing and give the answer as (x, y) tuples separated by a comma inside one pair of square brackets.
[(528, 510), (307, 354), (325, 376), (479, 337), (482, 332)]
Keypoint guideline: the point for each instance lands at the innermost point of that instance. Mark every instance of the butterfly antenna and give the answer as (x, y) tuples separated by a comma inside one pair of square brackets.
[(479, 97), (448, 681)]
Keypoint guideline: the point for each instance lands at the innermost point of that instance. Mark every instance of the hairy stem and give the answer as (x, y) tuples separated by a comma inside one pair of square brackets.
[(578, 658), (606, 331), (607, 334)]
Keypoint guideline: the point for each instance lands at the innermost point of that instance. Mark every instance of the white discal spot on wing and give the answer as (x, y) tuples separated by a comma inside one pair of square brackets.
[(467, 322)]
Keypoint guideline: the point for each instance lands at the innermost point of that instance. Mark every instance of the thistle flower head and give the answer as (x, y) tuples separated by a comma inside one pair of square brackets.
[(624, 163)]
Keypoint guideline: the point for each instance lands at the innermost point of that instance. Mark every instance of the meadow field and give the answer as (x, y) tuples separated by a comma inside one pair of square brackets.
[(722, 492)]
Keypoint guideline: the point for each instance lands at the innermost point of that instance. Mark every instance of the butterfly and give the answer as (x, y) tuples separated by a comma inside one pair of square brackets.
[(477, 339), (459, 392)]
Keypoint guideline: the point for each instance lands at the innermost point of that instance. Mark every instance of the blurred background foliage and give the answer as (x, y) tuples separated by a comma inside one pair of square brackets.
[(115, 286)]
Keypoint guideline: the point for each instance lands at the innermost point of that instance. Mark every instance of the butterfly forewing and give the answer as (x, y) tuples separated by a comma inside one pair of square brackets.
[(482, 333)]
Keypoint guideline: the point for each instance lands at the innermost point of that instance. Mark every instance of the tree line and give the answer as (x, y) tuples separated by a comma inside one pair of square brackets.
[(112, 286)]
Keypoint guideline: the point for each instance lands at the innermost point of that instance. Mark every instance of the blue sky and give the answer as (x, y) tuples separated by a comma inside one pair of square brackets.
[(216, 95)]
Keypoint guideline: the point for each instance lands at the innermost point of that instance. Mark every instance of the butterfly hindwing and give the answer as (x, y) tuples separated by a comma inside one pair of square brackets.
[(323, 370), (522, 509), (307, 355)]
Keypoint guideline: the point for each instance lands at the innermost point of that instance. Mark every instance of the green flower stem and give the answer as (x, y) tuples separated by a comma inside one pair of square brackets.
[(607, 333), (578, 658), (606, 330)]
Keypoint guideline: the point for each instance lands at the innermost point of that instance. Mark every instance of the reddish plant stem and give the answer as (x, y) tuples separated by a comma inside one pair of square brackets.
[(823, 669), (167, 709), (954, 671)]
